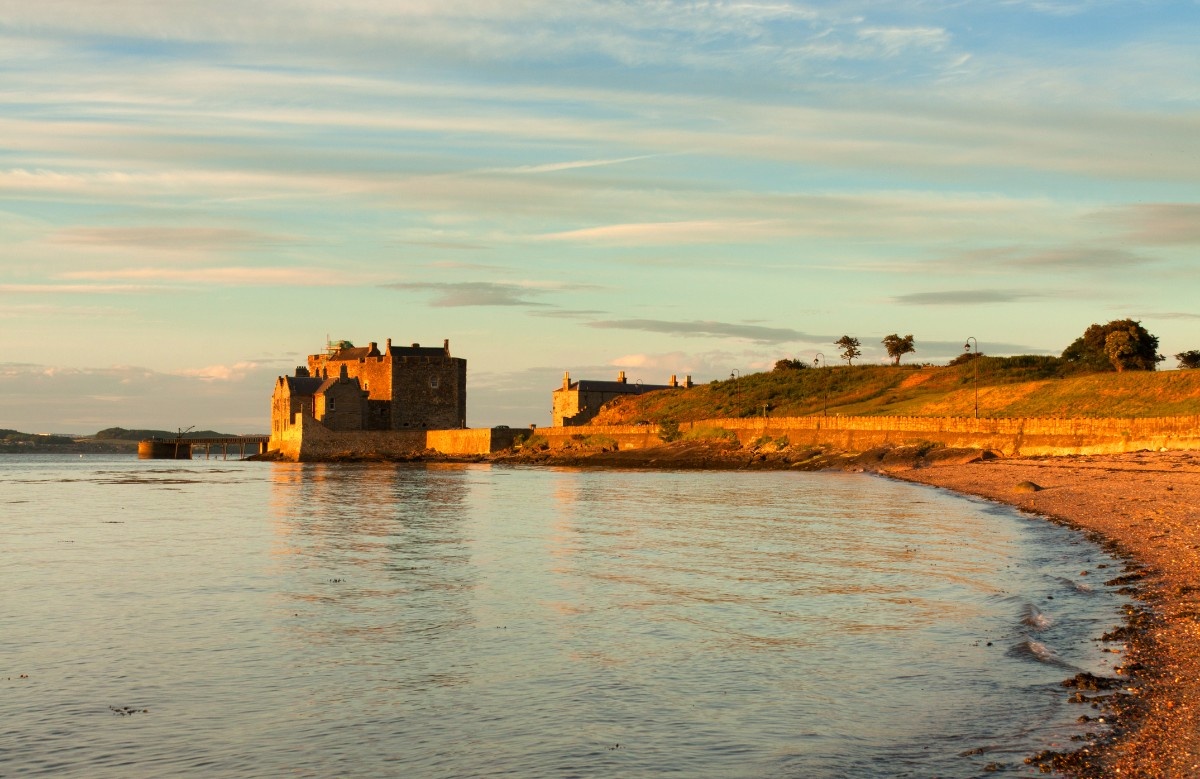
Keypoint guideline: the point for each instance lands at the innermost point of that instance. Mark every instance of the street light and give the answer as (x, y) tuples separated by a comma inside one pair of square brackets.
[(967, 348), (820, 358)]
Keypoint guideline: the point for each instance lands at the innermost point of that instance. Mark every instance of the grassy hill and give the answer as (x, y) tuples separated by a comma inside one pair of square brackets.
[(1008, 387)]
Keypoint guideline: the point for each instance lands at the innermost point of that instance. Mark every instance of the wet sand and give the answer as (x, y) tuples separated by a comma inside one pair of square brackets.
[(1146, 507)]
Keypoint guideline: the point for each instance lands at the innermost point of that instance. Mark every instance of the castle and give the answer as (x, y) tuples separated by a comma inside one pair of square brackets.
[(349, 388)]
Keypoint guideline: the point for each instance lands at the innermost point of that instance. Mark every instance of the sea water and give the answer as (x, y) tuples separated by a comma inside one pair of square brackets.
[(229, 619)]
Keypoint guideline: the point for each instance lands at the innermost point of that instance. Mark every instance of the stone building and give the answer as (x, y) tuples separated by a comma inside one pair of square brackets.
[(350, 388), (577, 403)]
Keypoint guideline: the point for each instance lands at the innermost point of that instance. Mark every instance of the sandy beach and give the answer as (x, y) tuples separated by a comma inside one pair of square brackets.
[(1146, 507)]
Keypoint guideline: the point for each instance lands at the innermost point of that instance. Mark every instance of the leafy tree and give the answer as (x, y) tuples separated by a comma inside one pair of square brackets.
[(790, 365), (1120, 345), (897, 347), (849, 347), (1189, 359)]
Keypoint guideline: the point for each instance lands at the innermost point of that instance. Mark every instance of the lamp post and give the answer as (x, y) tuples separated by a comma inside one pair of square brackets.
[(967, 347), (734, 375), (820, 358)]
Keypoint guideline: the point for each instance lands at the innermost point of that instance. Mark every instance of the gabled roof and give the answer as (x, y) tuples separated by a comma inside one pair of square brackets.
[(616, 387), (325, 385), (303, 385), (353, 353)]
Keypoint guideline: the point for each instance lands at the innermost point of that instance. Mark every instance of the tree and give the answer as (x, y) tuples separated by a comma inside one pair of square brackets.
[(1120, 345), (790, 365), (897, 347), (1189, 359), (849, 347)]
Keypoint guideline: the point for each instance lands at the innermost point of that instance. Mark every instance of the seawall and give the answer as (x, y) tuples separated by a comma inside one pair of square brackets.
[(1010, 437), (307, 440)]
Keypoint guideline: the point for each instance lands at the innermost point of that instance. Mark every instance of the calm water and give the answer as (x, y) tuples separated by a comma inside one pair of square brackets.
[(433, 621)]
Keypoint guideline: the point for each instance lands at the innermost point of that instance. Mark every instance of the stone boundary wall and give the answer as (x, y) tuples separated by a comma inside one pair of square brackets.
[(307, 440), (855, 434)]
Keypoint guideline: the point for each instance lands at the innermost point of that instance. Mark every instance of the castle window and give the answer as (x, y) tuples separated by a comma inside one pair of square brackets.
[(433, 382), (330, 405)]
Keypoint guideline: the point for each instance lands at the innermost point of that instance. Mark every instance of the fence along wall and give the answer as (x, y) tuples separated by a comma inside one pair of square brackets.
[(855, 434)]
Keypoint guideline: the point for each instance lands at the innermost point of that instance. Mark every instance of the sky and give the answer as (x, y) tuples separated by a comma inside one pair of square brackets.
[(194, 195)]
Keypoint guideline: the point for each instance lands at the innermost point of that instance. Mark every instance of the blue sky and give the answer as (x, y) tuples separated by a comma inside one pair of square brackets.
[(193, 195)]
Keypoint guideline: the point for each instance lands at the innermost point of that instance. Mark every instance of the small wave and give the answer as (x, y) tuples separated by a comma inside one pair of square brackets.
[(1035, 618), (1077, 586), (1029, 649)]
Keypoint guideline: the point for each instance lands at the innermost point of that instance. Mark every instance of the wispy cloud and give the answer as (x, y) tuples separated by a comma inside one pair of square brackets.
[(77, 289), (474, 293), (565, 313), (959, 297), (893, 41), (235, 372), (694, 231), (1184, 315), (1157, 223), (710, 329), (1082, 258), (556, 167), (234, 276), (163, 237)]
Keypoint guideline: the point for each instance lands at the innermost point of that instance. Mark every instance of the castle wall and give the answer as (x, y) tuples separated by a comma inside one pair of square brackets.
[(307, 440), (342, 406), (564, 407), (429, 392)]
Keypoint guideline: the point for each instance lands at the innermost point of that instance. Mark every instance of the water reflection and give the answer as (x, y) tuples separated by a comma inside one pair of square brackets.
[(376, 559)]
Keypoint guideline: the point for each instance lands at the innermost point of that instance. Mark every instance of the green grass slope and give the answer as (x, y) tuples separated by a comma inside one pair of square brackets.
[(1011, 387)]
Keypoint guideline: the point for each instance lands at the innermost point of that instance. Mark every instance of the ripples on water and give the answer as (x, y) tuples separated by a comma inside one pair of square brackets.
[(458, 621)]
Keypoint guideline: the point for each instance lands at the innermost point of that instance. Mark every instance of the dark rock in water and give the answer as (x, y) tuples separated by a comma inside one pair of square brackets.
[(1087, 681), (1028, 486)]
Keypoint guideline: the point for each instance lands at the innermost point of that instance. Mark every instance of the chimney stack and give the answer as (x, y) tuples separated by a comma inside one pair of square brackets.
[(674, 381), (621, 377), (687, 381), (566, 380)]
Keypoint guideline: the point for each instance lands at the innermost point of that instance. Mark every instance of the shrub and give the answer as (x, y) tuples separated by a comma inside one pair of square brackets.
[(668, 431), (536, 442)]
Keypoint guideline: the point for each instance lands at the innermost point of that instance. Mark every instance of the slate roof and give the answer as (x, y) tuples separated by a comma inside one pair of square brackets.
[(303, 385), (334, 380), (615, 387), (355, 353)]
